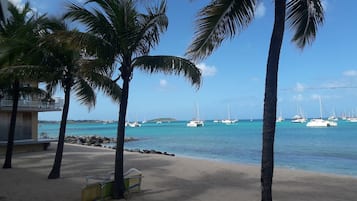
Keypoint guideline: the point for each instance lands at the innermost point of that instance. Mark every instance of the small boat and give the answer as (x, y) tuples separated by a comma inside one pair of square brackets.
[(352, 119), (298, 119), (280, 118), (320, 123), (134, 124), (195, 123), (332, 118), (229, 121)]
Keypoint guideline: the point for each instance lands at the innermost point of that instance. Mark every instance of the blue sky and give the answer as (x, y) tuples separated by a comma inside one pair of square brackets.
[(234, 75)]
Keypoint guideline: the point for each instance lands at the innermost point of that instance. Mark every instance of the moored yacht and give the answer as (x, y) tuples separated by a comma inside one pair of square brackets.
[(134, 124), (229, 121), (195, 123), (320, 123), (280, 118), (298, 119)]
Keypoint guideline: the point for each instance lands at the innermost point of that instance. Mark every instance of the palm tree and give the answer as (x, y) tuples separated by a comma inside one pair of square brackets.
[(70, 68), (124, 37), (222, 19), (18, 36)]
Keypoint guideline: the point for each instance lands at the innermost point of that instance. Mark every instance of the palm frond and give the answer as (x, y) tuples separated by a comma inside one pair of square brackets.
[(20, 72), (84, 93), (217, 21), (51, 86), (26, 91), (304, 17), (106, 85), (151, 25), (99, 38), (170, 65)]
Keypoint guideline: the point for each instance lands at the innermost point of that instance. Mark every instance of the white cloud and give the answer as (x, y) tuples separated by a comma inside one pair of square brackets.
[(350, 73), (260, 10), (299, 87), (334, 84), (163, 83), (207, 70)]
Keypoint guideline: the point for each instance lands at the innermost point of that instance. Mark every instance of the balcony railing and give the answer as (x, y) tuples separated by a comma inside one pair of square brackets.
[(34, 104)]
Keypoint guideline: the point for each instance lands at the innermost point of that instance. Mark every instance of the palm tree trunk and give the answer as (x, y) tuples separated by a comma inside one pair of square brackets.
[(119, 187), (56, 168), (11, 134), (270, 101)]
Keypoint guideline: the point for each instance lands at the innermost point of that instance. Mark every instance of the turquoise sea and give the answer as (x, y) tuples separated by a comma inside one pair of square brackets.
[(327, 150)]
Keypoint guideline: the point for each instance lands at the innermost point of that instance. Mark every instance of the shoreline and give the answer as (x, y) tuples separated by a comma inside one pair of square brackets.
[(154, 152), (160, 152), (318, 150), (165, 178)]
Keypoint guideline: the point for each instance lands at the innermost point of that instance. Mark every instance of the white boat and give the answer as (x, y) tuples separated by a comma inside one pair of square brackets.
[(134, 124), (229, 121), (196, 122), (280, 118), (298, 119), (332, 118), (320, 122), (352, 119)]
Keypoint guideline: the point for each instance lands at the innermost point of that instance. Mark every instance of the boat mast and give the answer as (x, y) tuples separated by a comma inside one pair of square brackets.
[(320, 107)]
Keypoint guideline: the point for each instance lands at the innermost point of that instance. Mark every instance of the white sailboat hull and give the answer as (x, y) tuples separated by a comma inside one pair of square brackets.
[(195, 123), (320, 123)]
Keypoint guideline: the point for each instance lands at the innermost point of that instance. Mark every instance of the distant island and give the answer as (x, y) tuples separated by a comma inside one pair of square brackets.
[(162, 120), (165, 119), (78, 121)]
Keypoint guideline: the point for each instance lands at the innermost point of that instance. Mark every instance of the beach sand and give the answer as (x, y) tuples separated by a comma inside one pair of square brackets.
[(166, 178)]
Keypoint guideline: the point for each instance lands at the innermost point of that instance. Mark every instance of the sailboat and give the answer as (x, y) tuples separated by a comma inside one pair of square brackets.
[(196, 122), (299, 118), (280, 118), (229, 120), (320, 122), (333, 117)]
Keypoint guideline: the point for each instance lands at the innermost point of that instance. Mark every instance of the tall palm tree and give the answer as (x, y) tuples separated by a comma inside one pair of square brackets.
[(124, 37), (224, 18), (69, 67), (18, 36)]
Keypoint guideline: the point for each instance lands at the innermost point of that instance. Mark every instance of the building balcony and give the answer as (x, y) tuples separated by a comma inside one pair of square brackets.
[(32, 105)]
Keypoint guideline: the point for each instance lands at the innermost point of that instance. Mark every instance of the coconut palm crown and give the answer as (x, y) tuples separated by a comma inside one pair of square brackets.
[(222, 19), (18, 38), (123, 38)]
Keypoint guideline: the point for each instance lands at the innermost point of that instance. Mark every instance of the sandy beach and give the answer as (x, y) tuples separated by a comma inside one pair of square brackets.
[(165, 178)]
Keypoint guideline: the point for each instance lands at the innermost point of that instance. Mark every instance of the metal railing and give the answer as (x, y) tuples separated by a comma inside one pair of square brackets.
[(35, 104)]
